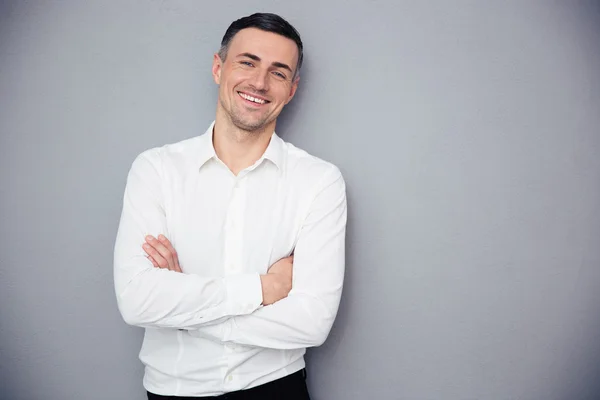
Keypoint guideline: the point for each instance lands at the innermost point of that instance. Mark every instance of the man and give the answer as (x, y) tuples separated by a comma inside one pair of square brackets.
[(213, 226)]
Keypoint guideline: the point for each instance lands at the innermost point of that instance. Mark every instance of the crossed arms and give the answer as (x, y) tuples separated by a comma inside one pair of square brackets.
[(246, 309)]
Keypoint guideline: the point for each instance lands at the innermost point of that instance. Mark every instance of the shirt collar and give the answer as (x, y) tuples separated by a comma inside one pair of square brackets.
[(273, 153), (207, 150)]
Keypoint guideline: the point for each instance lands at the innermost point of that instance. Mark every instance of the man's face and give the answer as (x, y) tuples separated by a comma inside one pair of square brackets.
[(255, 80)]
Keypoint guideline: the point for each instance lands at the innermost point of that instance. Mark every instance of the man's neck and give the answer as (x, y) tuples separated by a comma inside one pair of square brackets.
[(239, 149)]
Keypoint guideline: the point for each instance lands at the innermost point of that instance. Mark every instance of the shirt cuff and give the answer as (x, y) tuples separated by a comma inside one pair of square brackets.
[(244, 293)]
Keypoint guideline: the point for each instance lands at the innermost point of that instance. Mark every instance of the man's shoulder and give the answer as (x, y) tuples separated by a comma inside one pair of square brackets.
[(178, 153), (302, 164)]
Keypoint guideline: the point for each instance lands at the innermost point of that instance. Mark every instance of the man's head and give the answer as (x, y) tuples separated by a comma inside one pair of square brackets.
[(257, 70), (268, 23)]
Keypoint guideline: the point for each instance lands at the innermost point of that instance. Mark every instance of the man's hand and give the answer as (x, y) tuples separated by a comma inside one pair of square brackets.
[(161, 253), (277, 283)]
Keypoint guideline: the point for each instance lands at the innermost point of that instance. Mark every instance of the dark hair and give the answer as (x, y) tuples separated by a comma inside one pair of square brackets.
[(265, 22)]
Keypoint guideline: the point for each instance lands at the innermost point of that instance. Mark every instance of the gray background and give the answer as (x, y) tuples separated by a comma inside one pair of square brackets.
[(468, 133)]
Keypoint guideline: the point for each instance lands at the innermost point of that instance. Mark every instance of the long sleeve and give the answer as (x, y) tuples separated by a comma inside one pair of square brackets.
[(153, 297), (305, 317)]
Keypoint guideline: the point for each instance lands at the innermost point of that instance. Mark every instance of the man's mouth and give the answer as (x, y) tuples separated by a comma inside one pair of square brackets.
[(253, 99)]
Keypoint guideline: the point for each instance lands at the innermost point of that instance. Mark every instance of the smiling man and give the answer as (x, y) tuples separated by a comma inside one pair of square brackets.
[(230, 249)]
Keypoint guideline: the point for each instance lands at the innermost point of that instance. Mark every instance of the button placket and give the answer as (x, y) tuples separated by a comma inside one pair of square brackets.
[(233, 256), (233, 232)]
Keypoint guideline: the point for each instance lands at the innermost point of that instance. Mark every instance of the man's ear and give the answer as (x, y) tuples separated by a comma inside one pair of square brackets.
[(216, 68), (293, 89)]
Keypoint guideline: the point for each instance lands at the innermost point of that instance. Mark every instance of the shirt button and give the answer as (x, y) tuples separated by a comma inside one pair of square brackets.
[(230, 378)]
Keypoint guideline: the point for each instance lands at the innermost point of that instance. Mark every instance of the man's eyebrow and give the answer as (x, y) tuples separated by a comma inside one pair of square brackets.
[(249, 55), (281, 65), (257, 58)]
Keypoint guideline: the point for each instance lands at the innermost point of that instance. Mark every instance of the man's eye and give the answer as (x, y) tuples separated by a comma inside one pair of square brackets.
[(248, 63), (279, 75)]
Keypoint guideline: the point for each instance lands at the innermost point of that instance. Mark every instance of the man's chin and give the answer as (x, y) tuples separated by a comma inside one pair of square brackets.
[(250, 126)]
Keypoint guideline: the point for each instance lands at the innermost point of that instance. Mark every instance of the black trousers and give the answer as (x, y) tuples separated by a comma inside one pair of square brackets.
[(291, 387)]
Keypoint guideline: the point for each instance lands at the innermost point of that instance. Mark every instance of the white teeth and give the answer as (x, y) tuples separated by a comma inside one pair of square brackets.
[(245, 96)]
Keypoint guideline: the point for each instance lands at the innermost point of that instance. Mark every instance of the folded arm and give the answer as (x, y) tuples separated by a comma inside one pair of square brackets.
[(305, 317), (163, 298)]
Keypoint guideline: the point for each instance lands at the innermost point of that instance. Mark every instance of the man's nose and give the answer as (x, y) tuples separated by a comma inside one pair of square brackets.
[(260, 80)]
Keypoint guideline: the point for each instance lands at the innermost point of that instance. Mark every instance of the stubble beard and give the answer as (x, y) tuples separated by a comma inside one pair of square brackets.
[(246, 124)]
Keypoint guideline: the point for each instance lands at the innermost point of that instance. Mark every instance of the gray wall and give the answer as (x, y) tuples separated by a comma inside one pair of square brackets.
[(469, 136)]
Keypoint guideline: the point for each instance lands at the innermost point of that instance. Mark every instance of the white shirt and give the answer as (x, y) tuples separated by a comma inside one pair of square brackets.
[(206, 332)]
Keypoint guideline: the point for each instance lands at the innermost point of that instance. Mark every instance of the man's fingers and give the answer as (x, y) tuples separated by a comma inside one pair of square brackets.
[(152, 261), (157, 265), (159, 247), (162, 263), (159, 261), (167, 243), (161, 253)]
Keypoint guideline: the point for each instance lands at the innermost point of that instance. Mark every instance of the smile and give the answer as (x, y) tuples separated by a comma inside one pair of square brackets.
[(252, 99)]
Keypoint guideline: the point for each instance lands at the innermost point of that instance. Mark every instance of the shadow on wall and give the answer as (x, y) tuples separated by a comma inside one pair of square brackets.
[(580, 364), (340, 326)]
